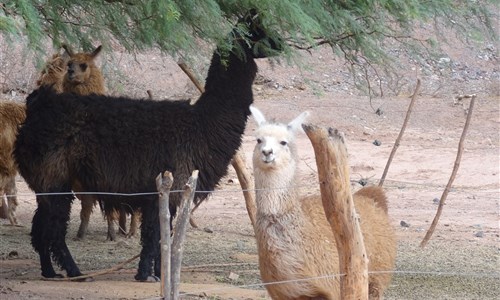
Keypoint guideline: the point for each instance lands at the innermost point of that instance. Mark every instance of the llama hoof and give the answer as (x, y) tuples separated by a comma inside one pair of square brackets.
[(55, 275), (150, 278), (79, 236)]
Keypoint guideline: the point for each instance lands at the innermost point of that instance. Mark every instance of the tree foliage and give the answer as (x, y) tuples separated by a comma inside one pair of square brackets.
[(355, 29)]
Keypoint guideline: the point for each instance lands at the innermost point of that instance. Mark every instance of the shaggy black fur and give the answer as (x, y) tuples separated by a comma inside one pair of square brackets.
[(110, 144)]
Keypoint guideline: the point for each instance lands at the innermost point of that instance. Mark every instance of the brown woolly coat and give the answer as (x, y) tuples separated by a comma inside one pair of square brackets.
[(11, 116)]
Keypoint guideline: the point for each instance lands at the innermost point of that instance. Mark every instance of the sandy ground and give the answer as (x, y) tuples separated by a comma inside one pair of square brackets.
[(461, 260)]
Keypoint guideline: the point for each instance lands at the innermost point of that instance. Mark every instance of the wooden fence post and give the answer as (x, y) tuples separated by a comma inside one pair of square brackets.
[(180, 232), (335, 187), (452, 176), (164, 184), (401, 132)]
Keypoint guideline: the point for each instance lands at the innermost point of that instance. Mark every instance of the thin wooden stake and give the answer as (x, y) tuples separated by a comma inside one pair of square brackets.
[(452, 177), (191, 76), (247, 184), (401, 132), (335, 187), (163, 185), (180, 233)]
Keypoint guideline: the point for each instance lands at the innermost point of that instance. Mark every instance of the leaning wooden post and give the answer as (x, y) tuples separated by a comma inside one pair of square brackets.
[(401, 132), (163, 185), (333, 172), (180, 233), (452, 176), (247, 184)]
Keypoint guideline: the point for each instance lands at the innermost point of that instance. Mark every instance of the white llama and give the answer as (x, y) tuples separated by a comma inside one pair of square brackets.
[(294, 239)]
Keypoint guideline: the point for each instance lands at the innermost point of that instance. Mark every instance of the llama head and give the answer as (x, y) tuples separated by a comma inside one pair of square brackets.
[(80, 65), (275, 148), (262, 44)]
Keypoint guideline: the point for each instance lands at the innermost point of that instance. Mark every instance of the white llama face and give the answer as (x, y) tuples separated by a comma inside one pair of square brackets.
[(274, 147)]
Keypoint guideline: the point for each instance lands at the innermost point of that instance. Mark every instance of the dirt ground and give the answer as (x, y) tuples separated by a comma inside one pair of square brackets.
[(461, 260)]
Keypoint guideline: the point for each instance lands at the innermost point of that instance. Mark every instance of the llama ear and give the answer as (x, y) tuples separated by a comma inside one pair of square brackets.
[(296, 124), (257, 115), (96, 51)]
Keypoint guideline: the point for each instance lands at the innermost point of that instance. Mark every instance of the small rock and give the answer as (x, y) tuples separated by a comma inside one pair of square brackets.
[(444, 60), (233, 276), (377, 143), (435, 200), (208, 229), (479, 234), (404, 224)]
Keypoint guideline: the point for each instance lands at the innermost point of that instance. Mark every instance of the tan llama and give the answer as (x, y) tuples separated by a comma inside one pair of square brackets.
[(294, 239), (11, 115)]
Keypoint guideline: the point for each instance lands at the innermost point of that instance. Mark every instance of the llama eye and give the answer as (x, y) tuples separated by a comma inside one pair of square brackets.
[(83, 67), (259, 141), (283, 143)]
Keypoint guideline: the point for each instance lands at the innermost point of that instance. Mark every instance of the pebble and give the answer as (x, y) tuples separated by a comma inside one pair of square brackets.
[(404, 224)]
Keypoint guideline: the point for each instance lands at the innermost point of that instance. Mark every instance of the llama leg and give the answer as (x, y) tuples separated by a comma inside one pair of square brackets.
[(122, 221), (134, 222), (11, 190), (59, 215), (111, 217), (150, 239), (38, 237), (87, 207), (48, 234)]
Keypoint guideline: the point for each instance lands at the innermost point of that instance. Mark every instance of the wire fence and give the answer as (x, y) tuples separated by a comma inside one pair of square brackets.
[(394, 184)]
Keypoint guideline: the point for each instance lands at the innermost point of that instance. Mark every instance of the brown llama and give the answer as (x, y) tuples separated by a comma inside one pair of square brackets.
[(11, 115), (296, 245)]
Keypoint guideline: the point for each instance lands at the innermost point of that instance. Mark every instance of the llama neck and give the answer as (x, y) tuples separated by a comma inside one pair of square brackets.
[(276, 192), (229, 82)]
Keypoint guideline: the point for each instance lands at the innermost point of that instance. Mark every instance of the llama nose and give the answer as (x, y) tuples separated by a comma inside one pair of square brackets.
[(267, 152)]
